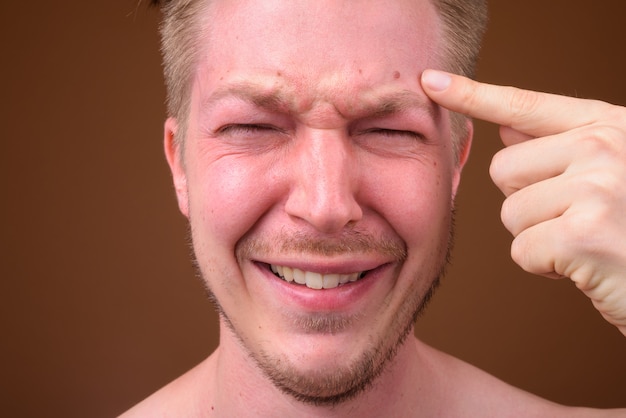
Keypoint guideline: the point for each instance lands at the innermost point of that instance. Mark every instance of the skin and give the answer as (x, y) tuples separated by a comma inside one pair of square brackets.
[(563, 177), (277, 151), (316, 142)]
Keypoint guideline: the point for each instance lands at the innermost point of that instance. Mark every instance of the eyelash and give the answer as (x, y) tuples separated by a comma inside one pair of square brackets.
[(245, 128), (395, 133)]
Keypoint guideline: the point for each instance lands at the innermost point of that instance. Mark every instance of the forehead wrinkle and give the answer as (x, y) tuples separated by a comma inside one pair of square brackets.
[(369, 104)]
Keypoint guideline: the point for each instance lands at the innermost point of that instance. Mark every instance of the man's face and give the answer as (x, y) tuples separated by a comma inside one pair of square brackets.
[(314, 160)]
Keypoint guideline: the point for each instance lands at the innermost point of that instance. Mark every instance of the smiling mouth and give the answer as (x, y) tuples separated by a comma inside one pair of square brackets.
[(314, 280)]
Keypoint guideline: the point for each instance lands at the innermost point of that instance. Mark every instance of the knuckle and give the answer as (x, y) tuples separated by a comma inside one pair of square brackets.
[(470, 97), (496, 169), (522, 102), (499, 169), (521, 253), (581, 232), (509, 214), (601, 188), (603, 140), (576, 228)]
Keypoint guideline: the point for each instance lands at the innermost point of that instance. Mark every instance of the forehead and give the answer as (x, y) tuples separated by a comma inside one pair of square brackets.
[(319, 49)]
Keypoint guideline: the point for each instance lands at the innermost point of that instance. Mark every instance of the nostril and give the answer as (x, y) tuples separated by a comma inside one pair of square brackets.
[(324, 215)]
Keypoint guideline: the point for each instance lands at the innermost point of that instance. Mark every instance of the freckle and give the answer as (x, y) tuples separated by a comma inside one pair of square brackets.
[(396, 74)]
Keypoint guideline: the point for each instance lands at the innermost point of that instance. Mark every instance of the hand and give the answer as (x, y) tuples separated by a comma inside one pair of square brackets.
[(564, 177)]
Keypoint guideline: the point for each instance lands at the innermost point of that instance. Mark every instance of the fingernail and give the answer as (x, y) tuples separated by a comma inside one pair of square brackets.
[(436, 80)]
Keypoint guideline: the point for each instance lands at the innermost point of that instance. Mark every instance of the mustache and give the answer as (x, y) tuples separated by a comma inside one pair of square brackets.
[(349, 241)]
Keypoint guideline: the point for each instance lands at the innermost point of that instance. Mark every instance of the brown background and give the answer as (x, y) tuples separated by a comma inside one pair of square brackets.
[(100, 306)]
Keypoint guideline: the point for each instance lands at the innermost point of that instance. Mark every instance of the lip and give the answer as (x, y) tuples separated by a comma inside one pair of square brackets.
[(342, 265), (343, 298)]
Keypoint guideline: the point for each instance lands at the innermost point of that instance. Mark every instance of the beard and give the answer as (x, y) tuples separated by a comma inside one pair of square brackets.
[(339, 384)]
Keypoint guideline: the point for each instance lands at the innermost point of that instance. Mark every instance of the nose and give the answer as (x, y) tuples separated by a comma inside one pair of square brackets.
[(325, 181)]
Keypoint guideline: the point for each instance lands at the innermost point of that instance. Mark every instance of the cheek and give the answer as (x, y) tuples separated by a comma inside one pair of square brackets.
[(416, 200), (227, 197)]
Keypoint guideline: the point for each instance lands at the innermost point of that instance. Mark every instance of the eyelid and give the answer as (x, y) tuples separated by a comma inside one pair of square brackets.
[(389, 132), (247, 127)]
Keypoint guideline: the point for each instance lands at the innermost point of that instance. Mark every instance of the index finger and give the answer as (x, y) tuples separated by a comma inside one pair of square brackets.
[(529, 112)]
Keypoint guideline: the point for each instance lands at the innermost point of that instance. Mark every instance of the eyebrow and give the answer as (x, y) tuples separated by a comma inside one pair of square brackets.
[(397, 102), (256, 94), (372, 105)]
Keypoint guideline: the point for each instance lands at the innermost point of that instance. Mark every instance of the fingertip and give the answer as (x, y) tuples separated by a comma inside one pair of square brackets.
[(435, 80)]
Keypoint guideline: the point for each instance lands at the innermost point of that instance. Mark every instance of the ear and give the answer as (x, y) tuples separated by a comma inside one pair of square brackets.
[(465, 143), (174, 155)]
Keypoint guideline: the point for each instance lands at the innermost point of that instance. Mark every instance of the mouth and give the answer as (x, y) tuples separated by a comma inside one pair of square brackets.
[(314, 280)]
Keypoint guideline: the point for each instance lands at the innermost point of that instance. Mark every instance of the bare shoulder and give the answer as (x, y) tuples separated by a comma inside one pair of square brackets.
[(468, 391), (186, 393)]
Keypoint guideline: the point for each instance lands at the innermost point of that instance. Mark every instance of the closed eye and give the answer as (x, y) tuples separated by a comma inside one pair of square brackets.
[(247, 128), (393, 133)]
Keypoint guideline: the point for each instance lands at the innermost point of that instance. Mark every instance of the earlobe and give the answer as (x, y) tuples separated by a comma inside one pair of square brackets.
[(465, 143), (173, 154)]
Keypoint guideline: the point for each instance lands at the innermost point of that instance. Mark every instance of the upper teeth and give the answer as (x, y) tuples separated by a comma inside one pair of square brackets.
[(314, 280)]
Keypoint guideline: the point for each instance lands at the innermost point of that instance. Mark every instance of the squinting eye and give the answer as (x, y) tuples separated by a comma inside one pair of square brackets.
[(251, 138), (246, 128), (393, 133)]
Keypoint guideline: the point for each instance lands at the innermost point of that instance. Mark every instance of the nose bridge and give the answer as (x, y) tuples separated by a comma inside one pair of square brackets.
[(327, 159), (326, 180)]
